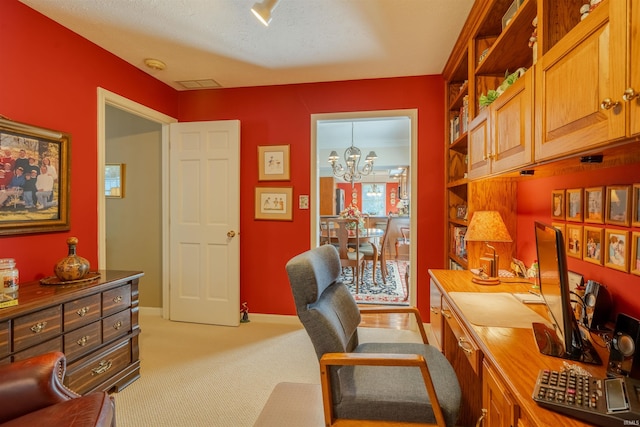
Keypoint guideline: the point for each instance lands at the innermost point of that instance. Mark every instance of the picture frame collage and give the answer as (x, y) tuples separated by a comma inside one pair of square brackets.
[(274, 203), (601, 224)]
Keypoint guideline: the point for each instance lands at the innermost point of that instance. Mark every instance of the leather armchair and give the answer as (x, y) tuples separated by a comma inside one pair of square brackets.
[(32, 393)]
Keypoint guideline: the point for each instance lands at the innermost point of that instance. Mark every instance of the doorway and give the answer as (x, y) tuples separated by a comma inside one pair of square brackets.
[(319, 160)]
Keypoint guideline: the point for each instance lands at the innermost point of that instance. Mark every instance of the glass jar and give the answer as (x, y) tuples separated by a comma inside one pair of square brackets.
[(9, 275)]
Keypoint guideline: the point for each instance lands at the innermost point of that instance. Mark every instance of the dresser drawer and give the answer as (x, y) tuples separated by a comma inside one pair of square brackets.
[(464, 341), (36, 327), (81, 312), (45, 347), (82, 341), (88, 373), (116, 300), (5, 338), (116, 325)]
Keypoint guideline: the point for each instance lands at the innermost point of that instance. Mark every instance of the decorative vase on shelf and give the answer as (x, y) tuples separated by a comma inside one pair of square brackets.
[(72, 267)]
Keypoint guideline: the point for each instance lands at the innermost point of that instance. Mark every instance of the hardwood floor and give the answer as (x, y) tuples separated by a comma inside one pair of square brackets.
[(393, 321)]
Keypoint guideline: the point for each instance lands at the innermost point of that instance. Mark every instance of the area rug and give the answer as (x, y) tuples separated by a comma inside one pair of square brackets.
[(370, 292)]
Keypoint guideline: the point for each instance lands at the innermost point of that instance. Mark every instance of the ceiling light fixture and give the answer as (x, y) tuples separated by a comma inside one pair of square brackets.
[(263, 10), (155, 64), (352, 160)]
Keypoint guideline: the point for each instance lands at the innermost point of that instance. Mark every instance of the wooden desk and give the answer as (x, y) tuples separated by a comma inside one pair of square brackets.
[(497, 366)]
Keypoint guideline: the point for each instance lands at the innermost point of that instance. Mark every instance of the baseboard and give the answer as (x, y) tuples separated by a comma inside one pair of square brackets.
[(253, 317)]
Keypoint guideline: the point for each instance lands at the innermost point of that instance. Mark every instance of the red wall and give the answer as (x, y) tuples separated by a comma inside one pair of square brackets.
[(282, 115), (534, 203)]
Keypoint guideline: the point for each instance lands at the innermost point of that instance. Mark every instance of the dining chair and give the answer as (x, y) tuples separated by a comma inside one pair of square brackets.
[(403, 240), (375, 254), (347, 234)]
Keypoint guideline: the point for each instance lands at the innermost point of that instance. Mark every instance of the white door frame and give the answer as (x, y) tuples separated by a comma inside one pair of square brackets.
[(105, 98), (315, 181)]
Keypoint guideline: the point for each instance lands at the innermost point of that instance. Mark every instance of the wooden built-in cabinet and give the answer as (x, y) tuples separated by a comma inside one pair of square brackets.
[(95, 324)]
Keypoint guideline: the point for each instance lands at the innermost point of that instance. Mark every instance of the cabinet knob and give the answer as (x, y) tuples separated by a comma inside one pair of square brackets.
[(629, 95), (464, 345), (608, 104)]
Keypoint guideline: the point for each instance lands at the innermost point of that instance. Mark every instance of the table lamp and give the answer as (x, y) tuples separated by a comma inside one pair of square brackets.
[(487, 226)]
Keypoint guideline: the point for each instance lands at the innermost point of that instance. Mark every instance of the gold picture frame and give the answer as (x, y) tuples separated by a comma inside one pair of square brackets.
[(635, 255), (114, 180), (273, 163), (616, 249), (574, 205), (635, 216), (593, 205), (557, 204), (618, 205), (592, 244), (274, 203), (573, 241)]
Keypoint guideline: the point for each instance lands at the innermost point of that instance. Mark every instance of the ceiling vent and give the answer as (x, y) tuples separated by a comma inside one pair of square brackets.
[(199, 84)]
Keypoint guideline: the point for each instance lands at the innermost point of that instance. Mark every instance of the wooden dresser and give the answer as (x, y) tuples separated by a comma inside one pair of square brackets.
[(95, 324)]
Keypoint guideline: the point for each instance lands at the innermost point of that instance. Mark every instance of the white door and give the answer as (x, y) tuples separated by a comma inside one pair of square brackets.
[(204, 228)]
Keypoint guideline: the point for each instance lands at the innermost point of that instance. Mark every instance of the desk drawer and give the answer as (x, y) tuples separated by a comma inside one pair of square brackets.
[(116, 300), (36, 327), (88, 373), (81, 312), (464, 341), (5, 338), (45, 347), (116, 325), (82, 341)]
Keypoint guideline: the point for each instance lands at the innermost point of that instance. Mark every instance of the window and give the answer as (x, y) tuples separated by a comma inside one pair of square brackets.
[(374, 199)]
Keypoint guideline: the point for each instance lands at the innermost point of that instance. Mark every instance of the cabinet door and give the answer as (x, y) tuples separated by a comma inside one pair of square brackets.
[(511, 119), (574, 78), (501, 411), (634, 68), (436, 314), (478, 137)]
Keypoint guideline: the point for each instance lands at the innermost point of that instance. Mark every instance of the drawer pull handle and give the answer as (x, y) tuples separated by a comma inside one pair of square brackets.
[(464, 345), (117, 325), (434, 309), (480, 421), (38, 327), (83, 341), (445, 314), (103, 367), (82, 311), (117, 299)]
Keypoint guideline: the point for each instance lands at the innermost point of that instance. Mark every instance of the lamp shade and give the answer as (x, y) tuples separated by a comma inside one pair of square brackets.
[(487, 226)]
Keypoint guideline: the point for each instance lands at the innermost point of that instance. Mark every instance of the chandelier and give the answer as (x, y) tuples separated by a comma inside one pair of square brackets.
[(352, 172), (374, 191)]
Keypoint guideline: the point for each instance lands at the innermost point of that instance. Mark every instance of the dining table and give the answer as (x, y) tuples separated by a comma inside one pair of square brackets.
[(370, 235)]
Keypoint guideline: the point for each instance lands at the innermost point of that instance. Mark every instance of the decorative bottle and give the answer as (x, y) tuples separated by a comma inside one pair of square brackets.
[(72, 267)]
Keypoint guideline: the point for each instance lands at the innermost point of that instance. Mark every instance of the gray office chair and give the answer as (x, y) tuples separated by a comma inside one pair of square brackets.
[(400, 382)]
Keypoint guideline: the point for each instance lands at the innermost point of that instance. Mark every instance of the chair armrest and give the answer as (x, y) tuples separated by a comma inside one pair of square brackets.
[(399, 309), (32, 384)]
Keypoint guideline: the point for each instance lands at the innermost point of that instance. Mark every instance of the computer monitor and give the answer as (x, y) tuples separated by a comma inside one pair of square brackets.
[(564, 338)]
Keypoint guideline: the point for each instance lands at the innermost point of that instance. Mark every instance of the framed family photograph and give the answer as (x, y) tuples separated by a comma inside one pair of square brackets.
[(618, 205), (274, 203), (557, 204), (34, 179), (635, 216), (635, 255), (616, 254), (574, 205), (573, 240), (593, 244), (593, 204), (273, 163)]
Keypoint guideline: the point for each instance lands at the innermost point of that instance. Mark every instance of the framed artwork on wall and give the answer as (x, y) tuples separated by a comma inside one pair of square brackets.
[(574, 205), (273, 163), (635, 217), (274, 203), (557, 204), (573, 240), (616, 248), (593, 205), (114, 178), (34, 179), (618, 205), (635, 255), (592, 243)]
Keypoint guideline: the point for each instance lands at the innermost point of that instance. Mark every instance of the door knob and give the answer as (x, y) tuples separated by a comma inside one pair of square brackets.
[(629, 94), (608, 104), (231, 234)]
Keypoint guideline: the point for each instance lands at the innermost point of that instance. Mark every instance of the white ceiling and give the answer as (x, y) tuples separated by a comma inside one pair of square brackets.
[(307, 40)]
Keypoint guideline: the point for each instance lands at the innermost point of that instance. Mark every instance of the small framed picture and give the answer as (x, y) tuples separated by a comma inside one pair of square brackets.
[(273, 163), (618, 204), (114, 178), (557, 204), (635, 217), (635, 255), (592, 243), (274, 203), (616, 254), (574, 205), (593, 206), (573, 241)]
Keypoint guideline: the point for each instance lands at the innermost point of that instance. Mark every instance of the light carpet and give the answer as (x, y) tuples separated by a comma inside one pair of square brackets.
[(200, 375), (394, 291)]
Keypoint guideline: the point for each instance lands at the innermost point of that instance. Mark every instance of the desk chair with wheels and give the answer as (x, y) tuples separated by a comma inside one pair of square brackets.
[(385, 382)]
